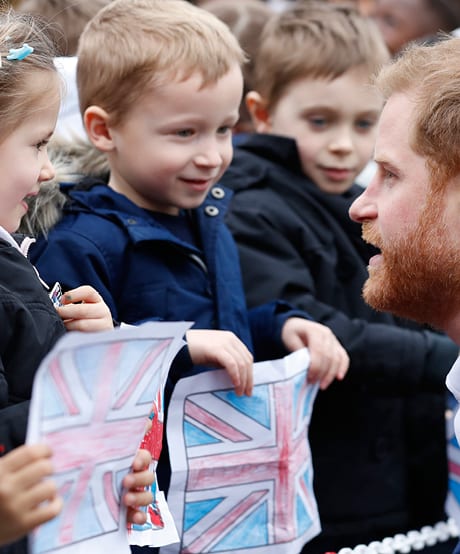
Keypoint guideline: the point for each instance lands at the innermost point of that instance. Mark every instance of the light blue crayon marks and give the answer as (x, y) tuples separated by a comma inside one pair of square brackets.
[(194, 436), (304, 519), (303, 397), (52, 404), (256, 406), (195, 511), (250, 533), (454, 487)]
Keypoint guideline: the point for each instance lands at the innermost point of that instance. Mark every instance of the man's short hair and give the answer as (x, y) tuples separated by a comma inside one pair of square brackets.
[(430, 74)]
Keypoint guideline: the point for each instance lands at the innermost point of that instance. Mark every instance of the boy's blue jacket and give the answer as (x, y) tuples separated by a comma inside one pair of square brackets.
[(144, 272)]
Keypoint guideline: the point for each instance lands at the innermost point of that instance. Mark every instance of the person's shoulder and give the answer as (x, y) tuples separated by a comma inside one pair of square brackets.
[(18, 279), (260, 156), (247, 169)]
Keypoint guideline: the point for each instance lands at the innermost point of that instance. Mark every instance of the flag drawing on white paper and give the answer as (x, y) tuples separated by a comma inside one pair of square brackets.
[(242, 472), (91, 398)]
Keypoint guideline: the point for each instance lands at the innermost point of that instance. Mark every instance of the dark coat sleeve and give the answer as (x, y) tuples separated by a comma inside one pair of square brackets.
[(80, 262), (30, 328), (281, 258)]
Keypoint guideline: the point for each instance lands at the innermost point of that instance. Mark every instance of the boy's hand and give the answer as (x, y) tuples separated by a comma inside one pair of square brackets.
[(26, 498), (329, 360), (135, 482), (84, 309), (223, 349)]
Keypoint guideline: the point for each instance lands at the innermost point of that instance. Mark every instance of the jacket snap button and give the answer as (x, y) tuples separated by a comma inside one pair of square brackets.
[(211, 211), (132, 221), (218, 192)]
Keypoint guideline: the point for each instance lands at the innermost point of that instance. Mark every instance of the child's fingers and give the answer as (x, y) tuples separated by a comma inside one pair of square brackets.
[(44, 491), (85, 293), (239, 367), (135, 516), (34, 472), (138, 479), (23, 455), (249, 382), (80, 311), (143, 456), (43, 513), (140, 498)]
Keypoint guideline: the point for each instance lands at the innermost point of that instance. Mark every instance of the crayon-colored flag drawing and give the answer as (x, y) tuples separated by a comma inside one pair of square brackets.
[(242, 471), (92, 396)]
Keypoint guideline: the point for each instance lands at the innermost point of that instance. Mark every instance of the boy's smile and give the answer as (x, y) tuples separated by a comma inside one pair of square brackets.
[(176, 142), (333, 123)]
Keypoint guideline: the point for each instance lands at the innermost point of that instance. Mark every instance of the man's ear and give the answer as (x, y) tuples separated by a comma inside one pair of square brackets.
[(97, 128), (257, 107)]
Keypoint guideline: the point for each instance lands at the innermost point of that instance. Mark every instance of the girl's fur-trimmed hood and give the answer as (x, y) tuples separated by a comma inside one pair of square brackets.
[(72, 160)]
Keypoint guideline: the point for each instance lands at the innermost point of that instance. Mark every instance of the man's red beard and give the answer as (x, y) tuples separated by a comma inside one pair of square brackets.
[(419, 274)]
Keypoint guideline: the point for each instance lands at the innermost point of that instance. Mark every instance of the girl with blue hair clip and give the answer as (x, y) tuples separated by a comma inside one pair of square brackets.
[(30, 92)]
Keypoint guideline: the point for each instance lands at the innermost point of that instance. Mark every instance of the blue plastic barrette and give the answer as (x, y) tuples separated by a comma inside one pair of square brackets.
[(19, 53)]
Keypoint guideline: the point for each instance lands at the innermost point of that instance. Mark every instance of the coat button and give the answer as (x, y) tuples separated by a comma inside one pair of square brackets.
[(211, 211), (131, 221), (217, 192)]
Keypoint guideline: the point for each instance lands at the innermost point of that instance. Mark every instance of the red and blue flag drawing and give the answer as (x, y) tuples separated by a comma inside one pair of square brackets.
[(91, 399), (242, 471)]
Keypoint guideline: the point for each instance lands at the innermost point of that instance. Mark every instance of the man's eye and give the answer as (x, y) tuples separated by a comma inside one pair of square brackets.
[(388, 175)]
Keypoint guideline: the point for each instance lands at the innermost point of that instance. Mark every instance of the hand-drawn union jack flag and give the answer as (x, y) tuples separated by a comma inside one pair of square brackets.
[(93, 407), (248, 483)]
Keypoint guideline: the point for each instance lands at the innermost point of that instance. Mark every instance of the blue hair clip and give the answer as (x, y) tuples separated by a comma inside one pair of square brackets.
[(19, 53)]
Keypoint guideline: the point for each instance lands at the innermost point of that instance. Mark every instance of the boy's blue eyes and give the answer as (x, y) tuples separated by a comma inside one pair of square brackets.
[(365, 124), (318, 121), (185, 133), (190, 132), (361, 124)]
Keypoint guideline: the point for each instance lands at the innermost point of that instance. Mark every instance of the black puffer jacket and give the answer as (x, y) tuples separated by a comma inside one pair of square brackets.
[(30, 327), (377, 438)]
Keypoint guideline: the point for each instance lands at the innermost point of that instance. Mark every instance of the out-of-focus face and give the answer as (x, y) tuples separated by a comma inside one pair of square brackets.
[(176, 142), (402, 21), (333, 123), (24, 159), (417, 273)]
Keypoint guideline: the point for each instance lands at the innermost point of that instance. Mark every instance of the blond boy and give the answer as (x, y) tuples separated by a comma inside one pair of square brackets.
[(160, 85)]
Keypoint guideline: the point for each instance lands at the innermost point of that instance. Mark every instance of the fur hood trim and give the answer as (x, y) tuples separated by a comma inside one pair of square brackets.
[(72, 160)]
